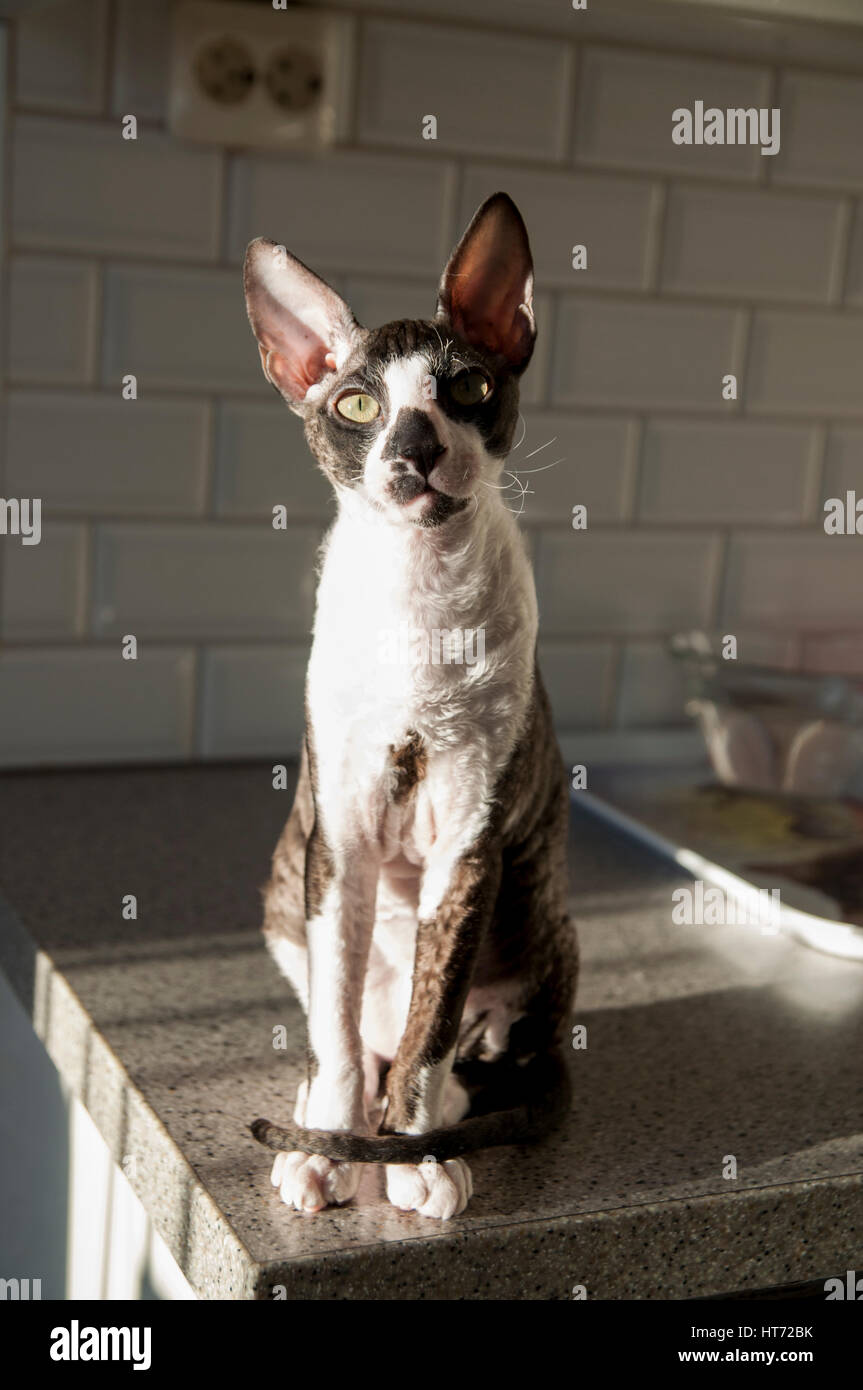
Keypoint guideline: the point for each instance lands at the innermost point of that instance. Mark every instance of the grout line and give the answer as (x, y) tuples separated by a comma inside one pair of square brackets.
[(654, 245), (87, 595), (719, 580), (817, 474), (570, 141), (840, 270), (633, 468), (109, 58), (740, 355)]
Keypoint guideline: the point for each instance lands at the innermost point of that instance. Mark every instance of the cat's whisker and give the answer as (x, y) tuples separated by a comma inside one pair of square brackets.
[(541, 447), (542, 468)]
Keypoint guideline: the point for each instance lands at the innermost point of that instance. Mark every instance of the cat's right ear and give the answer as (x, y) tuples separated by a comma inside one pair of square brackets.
[(304, 329)]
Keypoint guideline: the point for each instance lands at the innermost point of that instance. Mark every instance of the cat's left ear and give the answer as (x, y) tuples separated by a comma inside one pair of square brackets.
[(486, 292), (304, 329)]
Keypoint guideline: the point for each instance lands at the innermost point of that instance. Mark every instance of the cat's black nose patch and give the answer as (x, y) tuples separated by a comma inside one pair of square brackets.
[(414, 437)]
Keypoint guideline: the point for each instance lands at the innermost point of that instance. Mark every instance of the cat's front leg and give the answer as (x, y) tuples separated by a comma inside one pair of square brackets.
[(340, 898), (458, 898)]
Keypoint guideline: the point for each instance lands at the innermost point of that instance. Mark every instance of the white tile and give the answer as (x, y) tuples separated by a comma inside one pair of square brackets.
[(60, 55), (733, 471), (764, 245), (805, 363), (491, 93), (80, 186), (653, 355), (843, 466), (822, 115), (98, 454), (52, 328), (578, 678), (854, 280), (768, 649), (794, 581), (620, 582), (43, 585), (652, 687), (625, 104), (351, 211), (593, 460), (91, 706), (254, 700), (839, 653), (179, 328), (612, 217), (263, 460), (142, 58), (376, 301), (220, 581)]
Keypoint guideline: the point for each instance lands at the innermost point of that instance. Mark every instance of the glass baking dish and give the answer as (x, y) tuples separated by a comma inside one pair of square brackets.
[(767, 729)]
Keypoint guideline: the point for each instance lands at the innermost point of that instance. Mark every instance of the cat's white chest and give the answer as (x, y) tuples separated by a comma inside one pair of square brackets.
[(412, 644)]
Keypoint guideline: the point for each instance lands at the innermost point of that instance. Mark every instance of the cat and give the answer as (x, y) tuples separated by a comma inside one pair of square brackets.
[(418, 896)]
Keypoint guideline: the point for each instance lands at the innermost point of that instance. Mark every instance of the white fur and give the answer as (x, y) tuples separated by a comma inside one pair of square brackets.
[(380, 571)]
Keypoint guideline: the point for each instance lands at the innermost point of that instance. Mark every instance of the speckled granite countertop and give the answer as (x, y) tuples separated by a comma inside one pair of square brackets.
[(702, 1042)]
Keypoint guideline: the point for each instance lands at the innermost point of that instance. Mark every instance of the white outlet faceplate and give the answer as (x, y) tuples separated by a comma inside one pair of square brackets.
[(251, 76)]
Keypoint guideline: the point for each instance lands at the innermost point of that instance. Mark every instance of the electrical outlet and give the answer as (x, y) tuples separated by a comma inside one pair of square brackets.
[(251, 76)]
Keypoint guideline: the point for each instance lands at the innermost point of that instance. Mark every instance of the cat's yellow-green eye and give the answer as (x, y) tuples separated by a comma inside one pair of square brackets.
[(359, 407), (470, 388)]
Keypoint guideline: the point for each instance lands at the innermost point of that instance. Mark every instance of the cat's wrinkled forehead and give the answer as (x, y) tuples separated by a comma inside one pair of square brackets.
[(427, 348)]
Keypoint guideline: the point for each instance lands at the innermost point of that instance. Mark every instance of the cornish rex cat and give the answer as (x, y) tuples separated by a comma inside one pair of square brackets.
[(418, 898)]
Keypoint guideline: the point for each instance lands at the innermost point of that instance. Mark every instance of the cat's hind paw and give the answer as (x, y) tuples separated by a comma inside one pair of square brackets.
[(433, 1189), (310, 1182)]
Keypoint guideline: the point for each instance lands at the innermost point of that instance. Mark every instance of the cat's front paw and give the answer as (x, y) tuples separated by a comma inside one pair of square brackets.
[(310, 1182), (434, 1189)]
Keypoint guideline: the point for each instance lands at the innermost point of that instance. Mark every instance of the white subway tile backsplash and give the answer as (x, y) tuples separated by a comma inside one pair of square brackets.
[(410, 71), (52, 320), (378, 301), (79, 186), (652, 687), (96, 454), (90, 706), (625, 582), (838, 653), (613, 218), (854, 278), (746, 242), (157, 513), (357, 212), (794, 581), (263, 460), (142, 58), (578, 677), (654, 355), (625, 104), (822, 115), (736, 471), (805, 363), (208, 581), (593, 459), (843, 465), (60, 55), (181, 329), (43, 585), (254, 701)]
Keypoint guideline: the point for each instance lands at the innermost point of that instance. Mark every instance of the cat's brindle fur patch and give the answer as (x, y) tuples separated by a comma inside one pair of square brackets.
[(418, 897)]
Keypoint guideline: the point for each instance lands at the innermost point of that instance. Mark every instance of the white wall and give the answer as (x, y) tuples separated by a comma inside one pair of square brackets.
[(125, 258)]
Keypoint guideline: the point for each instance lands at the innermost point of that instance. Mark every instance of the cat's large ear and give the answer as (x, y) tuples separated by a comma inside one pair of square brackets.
[(486, 292), (304, 329)]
